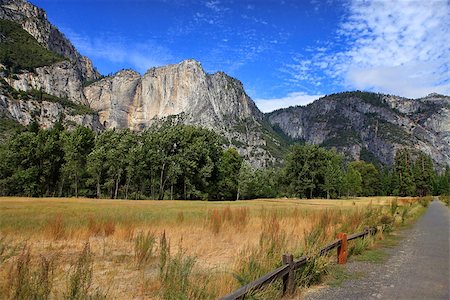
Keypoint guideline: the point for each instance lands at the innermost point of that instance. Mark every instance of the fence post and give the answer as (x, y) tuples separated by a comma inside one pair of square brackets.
[(289, 278), (342, 249)]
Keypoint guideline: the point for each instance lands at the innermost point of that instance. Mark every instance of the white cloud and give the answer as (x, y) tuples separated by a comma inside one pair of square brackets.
[(398, 47), (141, 56), (292, 99)]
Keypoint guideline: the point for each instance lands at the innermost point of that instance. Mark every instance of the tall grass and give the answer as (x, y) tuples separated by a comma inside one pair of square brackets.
[(7, 248), (215, 220), (79, 283), (175, 274), (445, 199), (394, 206), (55, 227), (218, 218), (253, 262), (28, 282), (144, 244)]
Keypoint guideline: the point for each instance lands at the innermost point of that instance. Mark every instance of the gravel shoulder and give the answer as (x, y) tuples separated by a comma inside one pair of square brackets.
[(417, 268)]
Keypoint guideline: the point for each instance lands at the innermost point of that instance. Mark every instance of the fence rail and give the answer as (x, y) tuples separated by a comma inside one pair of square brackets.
[(286, 271)]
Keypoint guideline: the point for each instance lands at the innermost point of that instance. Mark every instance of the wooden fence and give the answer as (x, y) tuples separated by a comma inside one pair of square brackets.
[(286, 271)]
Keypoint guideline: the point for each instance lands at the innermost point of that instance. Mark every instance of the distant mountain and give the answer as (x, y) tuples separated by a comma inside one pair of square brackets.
[(371, 126), (56, 83)]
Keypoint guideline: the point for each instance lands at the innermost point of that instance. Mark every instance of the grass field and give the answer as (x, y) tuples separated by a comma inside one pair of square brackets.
[(144, 249)]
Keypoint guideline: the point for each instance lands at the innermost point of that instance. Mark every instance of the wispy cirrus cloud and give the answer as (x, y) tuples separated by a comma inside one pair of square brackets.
[(118, 50), (397, 47)]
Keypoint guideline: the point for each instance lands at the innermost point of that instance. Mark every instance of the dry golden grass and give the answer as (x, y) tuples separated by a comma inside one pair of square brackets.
[(219, 235)]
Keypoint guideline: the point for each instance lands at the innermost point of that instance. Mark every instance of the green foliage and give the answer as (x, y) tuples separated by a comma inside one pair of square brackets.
[(311, 171), (187, 162), (76, 144), (9, 127), (370, 183), (344, 137), (19, 50), (352, 182), (403, 181), (260, 183), (441, 184), (424, 175), (229, 166)]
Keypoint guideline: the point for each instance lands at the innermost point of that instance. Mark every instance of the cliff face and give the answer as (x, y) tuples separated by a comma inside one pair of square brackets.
[(133, 101), (371, 126), (46, 113), (34, 21), (60, 79), (217, 102), (64, 79), (361, 125)]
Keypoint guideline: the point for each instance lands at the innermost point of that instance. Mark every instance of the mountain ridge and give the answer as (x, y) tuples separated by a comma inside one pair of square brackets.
[(358, 124)]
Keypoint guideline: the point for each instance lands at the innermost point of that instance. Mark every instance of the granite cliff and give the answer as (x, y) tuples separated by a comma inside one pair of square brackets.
[(34, 21), (372, 126), (362, 125), (215, 101)]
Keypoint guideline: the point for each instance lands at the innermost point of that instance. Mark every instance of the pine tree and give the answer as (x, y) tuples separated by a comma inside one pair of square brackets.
[(423, 175), (403, 174)]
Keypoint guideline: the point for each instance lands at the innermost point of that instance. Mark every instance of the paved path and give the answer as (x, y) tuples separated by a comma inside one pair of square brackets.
[(418, 268)]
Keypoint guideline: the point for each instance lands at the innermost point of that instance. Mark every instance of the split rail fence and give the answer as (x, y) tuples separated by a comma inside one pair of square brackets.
[(286, 271)]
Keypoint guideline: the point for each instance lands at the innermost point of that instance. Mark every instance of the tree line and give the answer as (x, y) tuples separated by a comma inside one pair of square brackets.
[(187, 162)]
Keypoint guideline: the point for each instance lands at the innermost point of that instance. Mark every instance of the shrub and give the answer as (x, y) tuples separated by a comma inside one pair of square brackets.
[(359, 246), (312, 271)]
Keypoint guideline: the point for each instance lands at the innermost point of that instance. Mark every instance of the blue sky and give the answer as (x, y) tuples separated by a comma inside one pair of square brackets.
[(285, 52)]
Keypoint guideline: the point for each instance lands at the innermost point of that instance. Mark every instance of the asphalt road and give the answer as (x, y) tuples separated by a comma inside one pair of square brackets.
[(418, 268)]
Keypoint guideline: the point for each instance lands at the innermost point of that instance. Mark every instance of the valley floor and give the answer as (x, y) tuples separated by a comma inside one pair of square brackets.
[(218, 235)]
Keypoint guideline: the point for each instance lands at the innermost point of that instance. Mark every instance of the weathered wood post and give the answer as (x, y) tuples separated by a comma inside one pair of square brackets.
[(367, 231), (289, 278), (342, 249)]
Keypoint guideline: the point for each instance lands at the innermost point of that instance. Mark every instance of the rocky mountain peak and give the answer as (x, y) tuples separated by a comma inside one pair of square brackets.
[(34, 21)]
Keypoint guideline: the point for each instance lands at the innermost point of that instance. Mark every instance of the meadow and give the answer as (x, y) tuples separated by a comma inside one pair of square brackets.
[(78, 248)]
